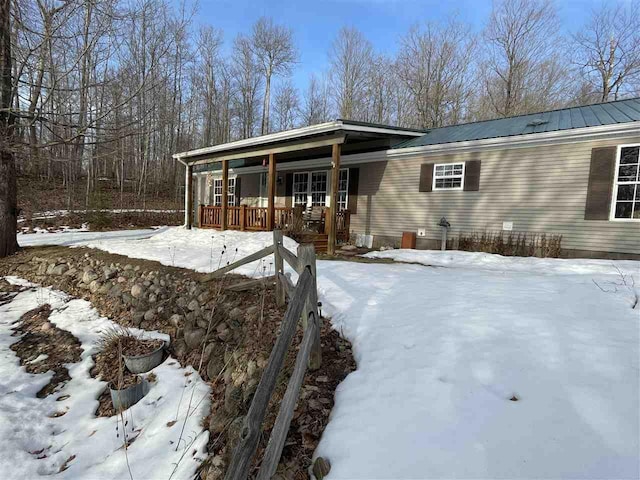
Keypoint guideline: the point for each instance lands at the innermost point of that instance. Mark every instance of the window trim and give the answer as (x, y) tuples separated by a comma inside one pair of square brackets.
[(231, 197), (441, 189), (614, 189)]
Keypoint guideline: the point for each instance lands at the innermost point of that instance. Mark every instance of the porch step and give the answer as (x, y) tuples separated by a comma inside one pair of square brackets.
[(320, 241)]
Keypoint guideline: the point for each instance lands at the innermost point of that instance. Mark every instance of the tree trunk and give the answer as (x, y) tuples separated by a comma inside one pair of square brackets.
[(8, 189)]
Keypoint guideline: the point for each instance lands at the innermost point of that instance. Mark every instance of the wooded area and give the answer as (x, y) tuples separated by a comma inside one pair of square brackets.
[(104, 92)]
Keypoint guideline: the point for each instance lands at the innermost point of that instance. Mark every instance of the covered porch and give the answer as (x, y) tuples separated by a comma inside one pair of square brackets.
[(297, 180)]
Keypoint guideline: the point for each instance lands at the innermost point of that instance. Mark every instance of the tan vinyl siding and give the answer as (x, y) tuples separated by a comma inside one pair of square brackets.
[(541, 189)]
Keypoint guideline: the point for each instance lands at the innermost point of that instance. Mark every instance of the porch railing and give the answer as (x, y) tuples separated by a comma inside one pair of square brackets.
[(255, 218)]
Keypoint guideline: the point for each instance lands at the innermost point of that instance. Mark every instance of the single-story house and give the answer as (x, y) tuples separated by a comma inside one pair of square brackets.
[(572, 172)]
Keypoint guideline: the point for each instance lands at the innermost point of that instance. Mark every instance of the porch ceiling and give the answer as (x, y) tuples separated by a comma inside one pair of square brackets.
[(303, 143)]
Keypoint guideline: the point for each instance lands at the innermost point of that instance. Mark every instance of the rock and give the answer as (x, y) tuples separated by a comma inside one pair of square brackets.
[(94, 286), (232, 399), (137, 318), (115, 291), (89, 276), (193, 305), (104, 289), (109, 273), (180, 348), (127, 298), (236, 314), (42, 269), (224, 333), (72, 272), (215, 366), (218, 423), (121, 279), (153, 298), (204, 297), (202, 322), (137, 291), (59, 269), (194, 337), (176, 320), (45, 327), (321, 468), (181, 302), (252, 369), (150, 315)]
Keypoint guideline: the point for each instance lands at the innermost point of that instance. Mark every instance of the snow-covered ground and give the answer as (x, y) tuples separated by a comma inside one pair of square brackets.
[(441, 352), (34, 443), (82, 236), (60, 213)]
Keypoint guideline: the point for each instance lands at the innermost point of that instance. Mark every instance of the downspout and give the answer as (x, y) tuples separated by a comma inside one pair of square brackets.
[(187, 190)]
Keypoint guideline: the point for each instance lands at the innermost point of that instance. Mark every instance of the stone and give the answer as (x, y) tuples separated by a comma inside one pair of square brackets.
[(236, 314), (121, 279), (104, 289), (180, 348), (202, 322), (218, 423), (109, 273), (194, 337), (150, 315), (127, 298), (72, 272), (153, 298), (181, 302), (321, 468), (252, 368), (45, 327), (94, 286), (224, 333), (232, 399), (89, 276), (115, 291), (176, 320), (59, 269), (137, 318), (137, 291), (42, 269), (215, 365), (193, 305)]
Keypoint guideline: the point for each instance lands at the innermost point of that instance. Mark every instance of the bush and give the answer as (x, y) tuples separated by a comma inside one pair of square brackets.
[(521, 244)]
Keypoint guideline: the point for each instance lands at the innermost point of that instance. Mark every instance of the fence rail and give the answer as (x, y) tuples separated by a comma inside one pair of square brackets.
[(303, 305)]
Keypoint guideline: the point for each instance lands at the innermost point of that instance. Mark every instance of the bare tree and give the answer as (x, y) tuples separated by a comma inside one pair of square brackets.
[(316, 108), (245, 71), (286, 106), (8, 200), (275, 54), (433, 64), (607, 50), (351, 57), (521, 37)]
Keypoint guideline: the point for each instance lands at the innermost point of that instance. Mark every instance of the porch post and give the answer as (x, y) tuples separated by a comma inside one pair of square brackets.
[(271, 191), (225, 191), (188, 197), (333, 206)]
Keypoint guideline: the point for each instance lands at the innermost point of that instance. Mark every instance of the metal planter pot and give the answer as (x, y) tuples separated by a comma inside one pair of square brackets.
[(127, 397), (144, 363)]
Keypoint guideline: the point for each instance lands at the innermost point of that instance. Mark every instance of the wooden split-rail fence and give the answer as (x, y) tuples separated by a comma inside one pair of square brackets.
[(303, 304)]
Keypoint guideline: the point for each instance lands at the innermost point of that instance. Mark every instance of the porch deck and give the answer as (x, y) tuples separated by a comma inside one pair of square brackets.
[(285, 218)]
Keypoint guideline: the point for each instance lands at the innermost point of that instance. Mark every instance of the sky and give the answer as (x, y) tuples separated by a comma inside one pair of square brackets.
[(315, 23)]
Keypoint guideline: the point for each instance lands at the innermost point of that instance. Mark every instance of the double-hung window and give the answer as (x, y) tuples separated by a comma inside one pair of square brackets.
[(217, 192), (626, 191), (448, 176)]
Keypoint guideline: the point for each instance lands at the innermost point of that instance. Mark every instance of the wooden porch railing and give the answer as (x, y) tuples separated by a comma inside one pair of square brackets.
[(303, 304), (255, 219)]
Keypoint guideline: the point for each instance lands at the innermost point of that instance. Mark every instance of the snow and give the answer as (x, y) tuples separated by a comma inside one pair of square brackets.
[(81, 236), (199, 249), (34, 443), (441, 351), (489, 261), (61, 213)]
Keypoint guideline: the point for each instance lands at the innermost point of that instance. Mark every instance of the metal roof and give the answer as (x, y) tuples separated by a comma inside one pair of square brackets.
[(620, 111)]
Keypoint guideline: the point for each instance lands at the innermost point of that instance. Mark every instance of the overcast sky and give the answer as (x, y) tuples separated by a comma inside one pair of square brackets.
[(315, 22)]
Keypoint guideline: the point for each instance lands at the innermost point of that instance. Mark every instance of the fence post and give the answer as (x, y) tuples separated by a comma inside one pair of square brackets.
[(307, 257), (243, 217), (279, 266)]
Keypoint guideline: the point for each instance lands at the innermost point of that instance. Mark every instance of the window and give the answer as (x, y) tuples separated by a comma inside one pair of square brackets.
[(311, 188), (217, 192), (300, 188), (448, 176), (318, 189), (343, 186), (626, 191)]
